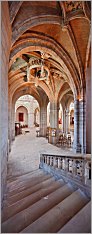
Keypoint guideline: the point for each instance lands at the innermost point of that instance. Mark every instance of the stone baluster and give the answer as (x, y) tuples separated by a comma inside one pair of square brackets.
[(60, 163), (45, 159), (63, 164), (74, 167), (87, 172), (51, 161), (83, 170), (55, 162), (66, 165), (48, 160), (41, 161)]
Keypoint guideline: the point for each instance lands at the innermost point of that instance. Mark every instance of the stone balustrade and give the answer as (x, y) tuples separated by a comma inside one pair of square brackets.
[(74, 168)]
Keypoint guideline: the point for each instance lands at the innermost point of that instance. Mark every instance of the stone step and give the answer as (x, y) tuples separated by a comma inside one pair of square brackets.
[(28, 183), (16, 178), (29, 200), (28, 191), (24, 218), (80, 223), (24, 177), (57, 217), (8, 201)]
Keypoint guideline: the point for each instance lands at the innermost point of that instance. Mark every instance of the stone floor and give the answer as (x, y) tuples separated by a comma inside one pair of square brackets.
[(26, 150)]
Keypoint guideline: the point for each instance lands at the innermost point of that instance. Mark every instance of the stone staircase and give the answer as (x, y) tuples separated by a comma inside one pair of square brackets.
[(37, 203)]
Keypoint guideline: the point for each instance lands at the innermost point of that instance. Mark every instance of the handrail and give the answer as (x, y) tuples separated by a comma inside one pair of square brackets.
[(76, 168), (85, 157)]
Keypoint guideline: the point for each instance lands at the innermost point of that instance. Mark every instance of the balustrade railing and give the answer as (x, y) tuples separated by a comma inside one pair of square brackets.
[(75, 167)]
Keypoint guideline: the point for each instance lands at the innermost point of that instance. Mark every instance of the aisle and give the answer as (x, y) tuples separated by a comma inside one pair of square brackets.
[(25, 153)]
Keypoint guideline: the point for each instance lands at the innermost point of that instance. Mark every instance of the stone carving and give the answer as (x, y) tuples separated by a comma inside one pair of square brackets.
[(38, 68), (73, 5)]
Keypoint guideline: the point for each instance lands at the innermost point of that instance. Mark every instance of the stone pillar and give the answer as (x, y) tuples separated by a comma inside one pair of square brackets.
[(88, 110), (13, 122), (43, 119), (67, 121), (30, 119), (30, 114), (34, 117), (76, 145), (79, 126), (48, 115), (38, 117), (54, 116), (9, 124), (64, 121), (82, 125)]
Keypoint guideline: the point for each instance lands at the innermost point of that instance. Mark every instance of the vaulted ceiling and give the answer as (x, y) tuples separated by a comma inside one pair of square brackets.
[(60, 31)]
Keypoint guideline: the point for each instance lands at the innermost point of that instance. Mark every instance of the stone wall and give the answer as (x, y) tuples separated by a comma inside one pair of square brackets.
[(5, 50), (23, 110)]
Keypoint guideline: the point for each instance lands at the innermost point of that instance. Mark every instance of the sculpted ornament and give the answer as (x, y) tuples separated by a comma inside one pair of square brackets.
[(73, 5)]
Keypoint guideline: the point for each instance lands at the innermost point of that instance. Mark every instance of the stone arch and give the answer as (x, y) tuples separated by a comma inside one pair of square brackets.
[(56, 50), (19, 105), (64, 89), (16, 85), (24, 110), (22, 90)]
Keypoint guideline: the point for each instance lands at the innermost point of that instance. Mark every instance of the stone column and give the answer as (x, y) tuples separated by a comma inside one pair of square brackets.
[(35, 118), (54, 116), (13, 122), (67, 121), (88, 110), (82, 125), (30, 119), (43, 119), (9, 124), (64, 121), (76, 145), (79, 126), (38, 117)]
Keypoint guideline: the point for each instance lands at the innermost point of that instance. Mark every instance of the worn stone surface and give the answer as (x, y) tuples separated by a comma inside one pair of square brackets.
[(34, 197), (26, 150), (52, 220), (80, 223)]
